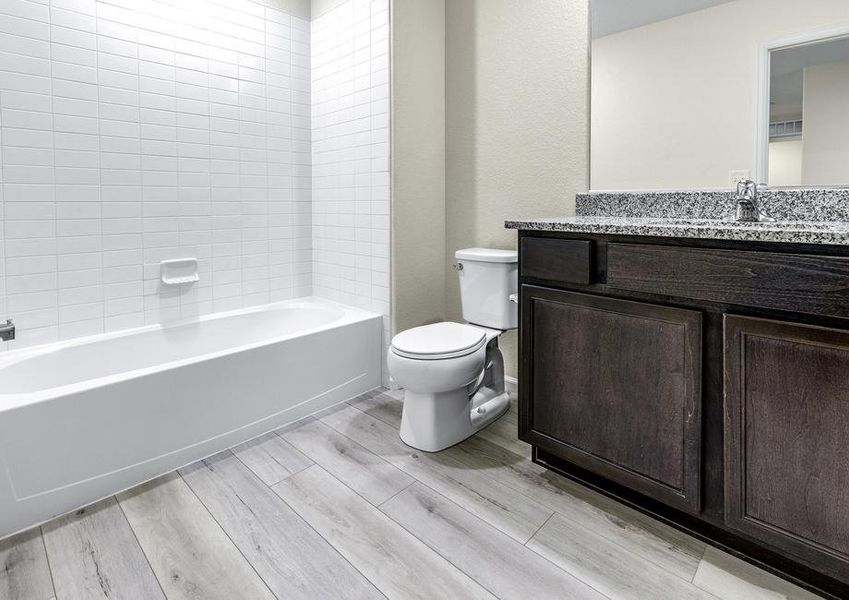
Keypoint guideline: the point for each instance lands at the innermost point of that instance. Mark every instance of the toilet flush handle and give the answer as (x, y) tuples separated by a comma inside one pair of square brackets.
[(514, 298)]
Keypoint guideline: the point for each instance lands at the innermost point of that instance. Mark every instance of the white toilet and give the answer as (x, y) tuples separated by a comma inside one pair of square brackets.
[(453, 373)]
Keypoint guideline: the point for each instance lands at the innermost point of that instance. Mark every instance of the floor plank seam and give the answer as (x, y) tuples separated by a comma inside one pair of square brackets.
[(248, 467), (364, 411), (224, 531), (533, 535), (572, 520), (522, 493), (637, 558), (328, 542), (370, 503), (399, 492), (435, 550), (474, 516), (138, 542), (404, 468), (554, 512), (583, 543), (696, 571), (587, 583), (47, 559)]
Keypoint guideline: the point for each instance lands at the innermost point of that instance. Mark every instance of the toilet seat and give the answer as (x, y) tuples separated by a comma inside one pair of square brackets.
[(439, 341)]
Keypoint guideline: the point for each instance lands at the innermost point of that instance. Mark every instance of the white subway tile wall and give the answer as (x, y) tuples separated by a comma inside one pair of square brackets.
[(350, 155), (136, 131)]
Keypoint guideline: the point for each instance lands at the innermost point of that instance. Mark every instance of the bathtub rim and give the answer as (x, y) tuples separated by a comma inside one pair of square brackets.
[(9, 401)]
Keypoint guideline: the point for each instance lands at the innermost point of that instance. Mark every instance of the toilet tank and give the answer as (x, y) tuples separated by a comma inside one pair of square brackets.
[(487, 279)]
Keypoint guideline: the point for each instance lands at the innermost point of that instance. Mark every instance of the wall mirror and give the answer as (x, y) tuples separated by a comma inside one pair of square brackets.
[(698, 94)]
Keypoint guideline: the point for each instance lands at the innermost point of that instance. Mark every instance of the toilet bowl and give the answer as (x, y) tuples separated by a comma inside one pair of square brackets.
[(453, 373)]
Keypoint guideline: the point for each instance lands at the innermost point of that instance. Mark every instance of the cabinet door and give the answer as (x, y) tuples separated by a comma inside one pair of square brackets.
[(615, 388), (787, 438)]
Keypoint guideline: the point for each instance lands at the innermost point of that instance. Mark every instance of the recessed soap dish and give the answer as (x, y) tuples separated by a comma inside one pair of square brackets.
[(179, 271)]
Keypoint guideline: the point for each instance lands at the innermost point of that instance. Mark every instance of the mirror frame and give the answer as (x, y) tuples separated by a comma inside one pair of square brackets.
[(764, 63)]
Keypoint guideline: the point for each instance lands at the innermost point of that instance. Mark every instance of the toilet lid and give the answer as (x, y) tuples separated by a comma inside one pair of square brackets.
[(439, 340)]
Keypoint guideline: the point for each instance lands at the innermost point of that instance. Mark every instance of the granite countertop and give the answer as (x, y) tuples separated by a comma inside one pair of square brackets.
[(799, 232), (810, 216)]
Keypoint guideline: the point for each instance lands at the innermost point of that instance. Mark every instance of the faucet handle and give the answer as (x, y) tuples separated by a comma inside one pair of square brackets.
[(7, 331), (747, 189), (750, 190)]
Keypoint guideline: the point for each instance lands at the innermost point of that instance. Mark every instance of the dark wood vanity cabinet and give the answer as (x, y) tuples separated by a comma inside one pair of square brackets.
[(787, 437), (617, 389), (706, 383)]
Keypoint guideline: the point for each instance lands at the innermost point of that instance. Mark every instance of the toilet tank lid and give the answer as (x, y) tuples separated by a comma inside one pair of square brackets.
[(492, 255)]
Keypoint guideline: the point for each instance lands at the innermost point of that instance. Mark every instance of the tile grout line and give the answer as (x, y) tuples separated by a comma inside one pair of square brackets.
[(141, 547), (102, 252), (3, 284), (53, 173)]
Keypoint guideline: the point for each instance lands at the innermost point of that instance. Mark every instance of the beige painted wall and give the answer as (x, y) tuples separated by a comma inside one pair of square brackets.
[(785, 162), (825, 158), (516, 114), (418, 163), (319, 7), (674, 103), (298, 8)]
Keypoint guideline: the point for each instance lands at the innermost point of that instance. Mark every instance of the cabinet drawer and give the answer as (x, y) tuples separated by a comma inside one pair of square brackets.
[(555, 260), (804, 283)]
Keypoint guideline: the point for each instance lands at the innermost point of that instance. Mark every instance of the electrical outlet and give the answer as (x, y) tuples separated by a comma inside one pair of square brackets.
[(736, 176)]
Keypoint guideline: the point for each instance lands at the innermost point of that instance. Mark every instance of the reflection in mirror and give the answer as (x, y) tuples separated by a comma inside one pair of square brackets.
[(683, 98), (809, 114)]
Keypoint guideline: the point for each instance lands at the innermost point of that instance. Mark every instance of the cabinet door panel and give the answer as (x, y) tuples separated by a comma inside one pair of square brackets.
[(787, 438), (616, 389)]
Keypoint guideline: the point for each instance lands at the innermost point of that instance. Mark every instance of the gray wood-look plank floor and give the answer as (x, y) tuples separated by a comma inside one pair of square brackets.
[(336, 506)]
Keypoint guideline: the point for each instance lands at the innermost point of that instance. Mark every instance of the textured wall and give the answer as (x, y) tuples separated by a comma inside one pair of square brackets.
[(516, 121), (134, 132), (418, 167)]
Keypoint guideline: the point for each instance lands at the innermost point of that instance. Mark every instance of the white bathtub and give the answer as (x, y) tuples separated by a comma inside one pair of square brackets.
[(85, 419)]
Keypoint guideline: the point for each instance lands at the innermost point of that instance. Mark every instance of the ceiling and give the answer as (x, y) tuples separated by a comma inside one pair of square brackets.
[(786, 86), (613, 16)]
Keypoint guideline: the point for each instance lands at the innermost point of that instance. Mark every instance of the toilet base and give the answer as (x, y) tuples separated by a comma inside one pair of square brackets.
[(434, 421)]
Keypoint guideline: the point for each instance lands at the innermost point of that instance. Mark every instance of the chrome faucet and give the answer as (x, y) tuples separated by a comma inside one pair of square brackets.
[(748, 208), (7, 331)]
